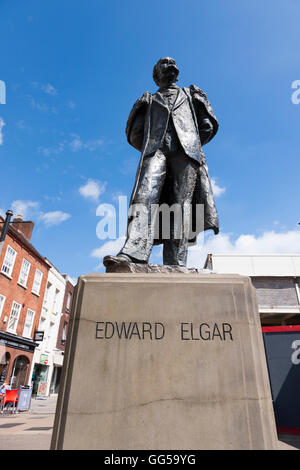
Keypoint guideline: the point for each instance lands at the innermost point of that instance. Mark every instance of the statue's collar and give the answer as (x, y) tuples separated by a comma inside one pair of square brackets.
[(171, 87), (181, 97)]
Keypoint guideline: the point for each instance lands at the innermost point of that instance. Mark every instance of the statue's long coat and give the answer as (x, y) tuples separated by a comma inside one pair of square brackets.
[(145, 130)]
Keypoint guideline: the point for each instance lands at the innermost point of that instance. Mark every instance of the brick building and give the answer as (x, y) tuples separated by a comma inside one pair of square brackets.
[(23, 278)]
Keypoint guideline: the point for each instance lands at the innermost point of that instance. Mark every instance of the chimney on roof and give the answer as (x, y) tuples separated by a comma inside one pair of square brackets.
[(25, 227)]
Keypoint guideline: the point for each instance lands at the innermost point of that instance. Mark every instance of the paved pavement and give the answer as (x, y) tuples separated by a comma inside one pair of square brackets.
[(29, 430), (33, 430)]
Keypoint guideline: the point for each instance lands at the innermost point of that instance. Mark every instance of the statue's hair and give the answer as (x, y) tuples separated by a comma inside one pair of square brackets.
[(155, 69)]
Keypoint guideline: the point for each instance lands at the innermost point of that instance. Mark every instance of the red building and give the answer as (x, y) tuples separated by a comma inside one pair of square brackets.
[(23, 277)]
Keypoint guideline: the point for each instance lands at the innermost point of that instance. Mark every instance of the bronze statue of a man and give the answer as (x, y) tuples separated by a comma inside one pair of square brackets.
[(170, 128)]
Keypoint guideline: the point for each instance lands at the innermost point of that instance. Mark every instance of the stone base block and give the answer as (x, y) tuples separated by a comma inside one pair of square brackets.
[(164, 361)]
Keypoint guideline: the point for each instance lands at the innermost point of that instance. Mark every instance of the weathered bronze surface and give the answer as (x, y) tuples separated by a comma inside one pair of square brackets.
[(169, 128), (116, 265)]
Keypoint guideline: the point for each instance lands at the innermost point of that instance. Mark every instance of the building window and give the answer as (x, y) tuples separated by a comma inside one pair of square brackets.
[(43, 321), (14, 318), (64, 333), (50, 335), (37, 282), (25, 268), (69, 299), (9, 261), (54, 306), (28, 323), (2, 300), (46, 296)]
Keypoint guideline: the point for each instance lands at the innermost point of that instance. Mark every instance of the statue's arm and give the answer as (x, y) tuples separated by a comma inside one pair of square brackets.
[(136, 122), (207, 121)]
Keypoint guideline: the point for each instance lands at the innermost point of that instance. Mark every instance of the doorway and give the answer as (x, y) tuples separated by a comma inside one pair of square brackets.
[(39, 377), (19, 372)]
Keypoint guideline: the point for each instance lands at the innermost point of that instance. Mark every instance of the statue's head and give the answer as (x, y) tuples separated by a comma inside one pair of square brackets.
[(165, 70)]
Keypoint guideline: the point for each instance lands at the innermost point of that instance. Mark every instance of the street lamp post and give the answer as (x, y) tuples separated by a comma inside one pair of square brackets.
[(9, 215)]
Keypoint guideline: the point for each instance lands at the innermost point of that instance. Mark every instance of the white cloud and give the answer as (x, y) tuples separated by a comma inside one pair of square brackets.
[(49, 89), (55, 150), (92, 145), (52, 198), (74, 142), (54, 218), (24, 208), (37, 105), (111, 247), (217, 190), (78, 144), (2, 124), (268, 243), (92, 189), (71, 105)]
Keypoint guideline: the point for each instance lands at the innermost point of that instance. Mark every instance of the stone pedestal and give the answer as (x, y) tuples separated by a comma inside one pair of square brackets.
[(164, 361)]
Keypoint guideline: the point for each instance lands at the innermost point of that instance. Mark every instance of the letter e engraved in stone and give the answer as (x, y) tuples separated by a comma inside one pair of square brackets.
[(99, 329), (182, 330)]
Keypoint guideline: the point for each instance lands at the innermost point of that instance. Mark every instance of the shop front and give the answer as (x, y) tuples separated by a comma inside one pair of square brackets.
[(16, 354), (40, 376)]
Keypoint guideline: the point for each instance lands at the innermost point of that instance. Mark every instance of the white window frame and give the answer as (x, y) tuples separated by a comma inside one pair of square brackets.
[(34, 290), (29, 334), (2, 299), (24, 272), (14, 330), (8, 269)]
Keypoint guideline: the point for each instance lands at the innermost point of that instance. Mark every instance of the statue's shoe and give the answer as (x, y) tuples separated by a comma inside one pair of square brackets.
[(123, 261), (109, 260)]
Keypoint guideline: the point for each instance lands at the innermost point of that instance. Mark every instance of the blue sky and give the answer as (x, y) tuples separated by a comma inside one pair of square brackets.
[(74, 69)]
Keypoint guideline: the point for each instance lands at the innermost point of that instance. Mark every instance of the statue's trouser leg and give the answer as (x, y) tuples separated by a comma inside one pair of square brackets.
[(181, 179), (140, 232)]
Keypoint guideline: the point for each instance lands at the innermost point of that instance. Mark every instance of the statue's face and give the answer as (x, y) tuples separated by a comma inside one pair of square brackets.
[(167, 69)]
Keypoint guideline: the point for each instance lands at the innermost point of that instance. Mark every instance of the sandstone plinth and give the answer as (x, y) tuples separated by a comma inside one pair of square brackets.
[(164, 361)]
